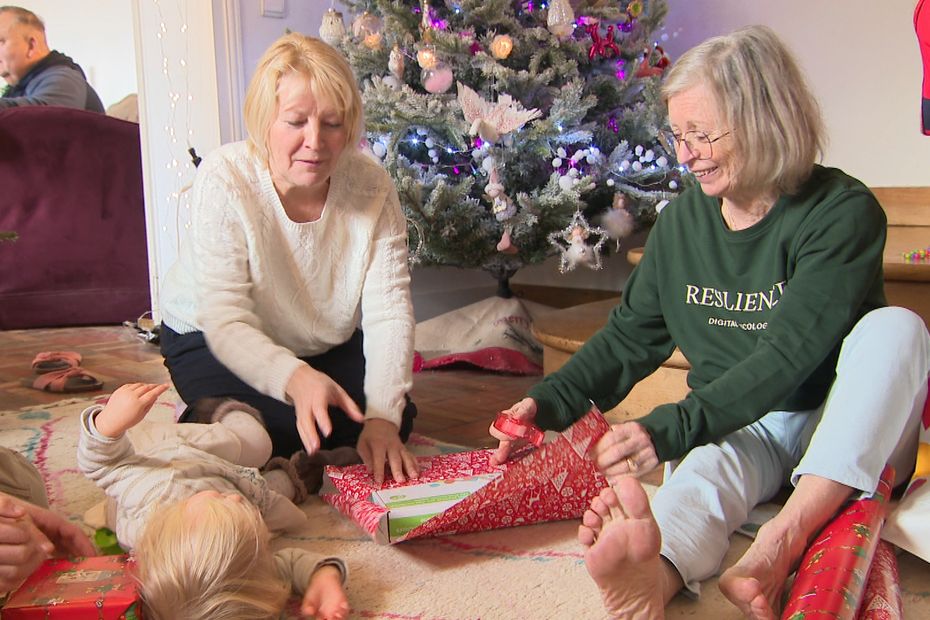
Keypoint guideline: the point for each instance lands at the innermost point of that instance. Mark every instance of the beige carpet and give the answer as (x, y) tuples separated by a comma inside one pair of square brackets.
[(531, 572)]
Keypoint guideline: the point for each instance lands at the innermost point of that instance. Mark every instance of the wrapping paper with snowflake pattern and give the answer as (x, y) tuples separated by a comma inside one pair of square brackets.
[(832, 575), (555, 482)]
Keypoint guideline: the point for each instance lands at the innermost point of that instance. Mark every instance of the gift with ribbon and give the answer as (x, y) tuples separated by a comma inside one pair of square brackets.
[(463, 492)]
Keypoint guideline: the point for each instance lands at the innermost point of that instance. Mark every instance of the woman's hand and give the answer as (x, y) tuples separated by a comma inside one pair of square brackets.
[(625, 450), (380, 442), (312, 393), (524, 410)]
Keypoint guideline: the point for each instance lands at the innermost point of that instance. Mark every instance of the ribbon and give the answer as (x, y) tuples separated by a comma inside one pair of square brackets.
[(519, 429)]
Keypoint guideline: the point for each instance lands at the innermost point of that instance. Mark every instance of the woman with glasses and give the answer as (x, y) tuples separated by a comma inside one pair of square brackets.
[(768, 276)]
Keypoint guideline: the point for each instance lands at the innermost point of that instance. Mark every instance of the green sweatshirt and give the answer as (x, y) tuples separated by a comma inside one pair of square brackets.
[(759, 313)]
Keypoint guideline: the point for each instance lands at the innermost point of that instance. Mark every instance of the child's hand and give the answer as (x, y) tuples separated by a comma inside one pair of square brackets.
[(127, 407), (325, 599)]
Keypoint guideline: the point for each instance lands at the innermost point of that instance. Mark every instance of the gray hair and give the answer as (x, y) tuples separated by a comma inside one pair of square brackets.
[(762, 96), (24, 17)]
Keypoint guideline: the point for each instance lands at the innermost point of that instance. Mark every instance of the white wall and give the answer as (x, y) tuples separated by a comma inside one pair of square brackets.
[(243, 33), (100, 40), (258, 32)]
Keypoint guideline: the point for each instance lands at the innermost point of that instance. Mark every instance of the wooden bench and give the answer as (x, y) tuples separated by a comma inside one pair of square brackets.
[(907, 284)]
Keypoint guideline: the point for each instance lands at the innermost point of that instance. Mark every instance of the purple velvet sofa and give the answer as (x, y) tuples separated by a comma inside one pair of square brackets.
[(71, 188)]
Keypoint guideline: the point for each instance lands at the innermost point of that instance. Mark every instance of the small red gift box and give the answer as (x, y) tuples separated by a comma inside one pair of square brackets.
[(101, 587), (463, 492), (832, 574)]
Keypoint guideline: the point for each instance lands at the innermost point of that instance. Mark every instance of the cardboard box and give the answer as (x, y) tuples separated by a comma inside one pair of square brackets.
[(100, 587), (463, 492), (411, 506)]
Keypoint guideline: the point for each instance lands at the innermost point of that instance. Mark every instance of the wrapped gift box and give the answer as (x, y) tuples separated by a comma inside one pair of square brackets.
[(463, 492), (100, 587)]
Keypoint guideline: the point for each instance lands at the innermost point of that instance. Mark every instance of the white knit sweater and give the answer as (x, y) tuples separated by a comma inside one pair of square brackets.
[(266, 290)]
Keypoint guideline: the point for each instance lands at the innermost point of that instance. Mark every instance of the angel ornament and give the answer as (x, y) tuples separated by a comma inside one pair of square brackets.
[(501, 204), (618, 221), (396, 63), (503, 209), (489, 120), (572, 243)]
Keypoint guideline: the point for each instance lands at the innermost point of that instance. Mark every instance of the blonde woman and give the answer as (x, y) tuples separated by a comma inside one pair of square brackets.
[(291, 292), (199, 524)]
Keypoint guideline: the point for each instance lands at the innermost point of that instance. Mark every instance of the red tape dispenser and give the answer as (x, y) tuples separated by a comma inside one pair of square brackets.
[(519, 429)]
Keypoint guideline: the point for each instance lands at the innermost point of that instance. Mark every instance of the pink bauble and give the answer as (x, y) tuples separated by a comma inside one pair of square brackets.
[(438, 79)]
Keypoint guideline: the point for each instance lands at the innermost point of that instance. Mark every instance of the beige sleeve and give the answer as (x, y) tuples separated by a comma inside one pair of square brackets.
[(20, 478), (298, 565)]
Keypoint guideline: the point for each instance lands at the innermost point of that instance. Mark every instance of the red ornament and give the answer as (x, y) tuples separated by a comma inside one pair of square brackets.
[(605, 47), (653, 69)]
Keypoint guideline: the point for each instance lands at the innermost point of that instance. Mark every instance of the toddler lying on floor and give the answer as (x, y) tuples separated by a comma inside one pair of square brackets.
[(198, 520)]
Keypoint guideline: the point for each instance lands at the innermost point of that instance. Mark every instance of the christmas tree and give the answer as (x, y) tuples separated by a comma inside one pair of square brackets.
[(509, 125)]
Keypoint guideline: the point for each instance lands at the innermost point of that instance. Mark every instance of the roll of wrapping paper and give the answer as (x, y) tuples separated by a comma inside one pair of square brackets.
[(882, 598), (832, 575)]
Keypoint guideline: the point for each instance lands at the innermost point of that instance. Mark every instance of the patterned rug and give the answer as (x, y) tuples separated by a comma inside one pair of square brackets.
[(518, 573), (512, 573)]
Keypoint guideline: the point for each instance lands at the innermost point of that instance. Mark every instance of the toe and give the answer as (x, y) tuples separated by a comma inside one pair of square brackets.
[(632, 497)]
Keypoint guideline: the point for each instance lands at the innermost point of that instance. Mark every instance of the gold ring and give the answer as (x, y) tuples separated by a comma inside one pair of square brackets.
[(631, 463)]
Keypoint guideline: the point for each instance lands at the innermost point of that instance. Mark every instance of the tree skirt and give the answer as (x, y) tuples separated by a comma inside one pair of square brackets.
[(492, 334), (526, 572)]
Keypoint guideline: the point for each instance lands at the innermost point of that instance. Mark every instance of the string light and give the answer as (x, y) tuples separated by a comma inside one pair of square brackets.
[(175, 201)]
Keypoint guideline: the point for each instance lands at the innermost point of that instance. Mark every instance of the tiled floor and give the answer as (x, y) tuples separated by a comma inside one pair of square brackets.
[(454, 405)]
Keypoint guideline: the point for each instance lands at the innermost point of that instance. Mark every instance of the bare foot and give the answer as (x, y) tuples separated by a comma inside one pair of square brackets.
[(325, 599), (622, 556), (755, 583)]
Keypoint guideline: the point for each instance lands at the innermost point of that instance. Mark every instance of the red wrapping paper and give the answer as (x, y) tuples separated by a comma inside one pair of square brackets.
[(555, 482), (101, 587), (882, 597), (832, 574)]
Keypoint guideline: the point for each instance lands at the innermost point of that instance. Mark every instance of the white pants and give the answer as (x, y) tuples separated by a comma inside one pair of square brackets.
[(869, 418)]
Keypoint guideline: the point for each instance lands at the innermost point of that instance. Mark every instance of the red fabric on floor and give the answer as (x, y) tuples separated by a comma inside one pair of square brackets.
[(497, 359)]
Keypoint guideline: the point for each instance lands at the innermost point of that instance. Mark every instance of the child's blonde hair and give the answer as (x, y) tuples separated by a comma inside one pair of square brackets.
[(216, 564)]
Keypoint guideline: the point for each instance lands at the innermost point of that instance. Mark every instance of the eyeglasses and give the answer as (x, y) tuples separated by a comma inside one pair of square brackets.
[(698, 143)]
